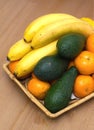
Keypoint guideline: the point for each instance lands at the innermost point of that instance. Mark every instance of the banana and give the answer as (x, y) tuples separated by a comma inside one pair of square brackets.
[(42, 21), (54, 30), (88, 20), (28, 62), (18, 50)]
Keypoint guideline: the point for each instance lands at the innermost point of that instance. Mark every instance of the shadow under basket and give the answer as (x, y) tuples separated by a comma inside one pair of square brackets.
[(22, 84)]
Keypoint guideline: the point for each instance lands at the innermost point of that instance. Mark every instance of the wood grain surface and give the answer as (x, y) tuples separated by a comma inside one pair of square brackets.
[(17, 112)]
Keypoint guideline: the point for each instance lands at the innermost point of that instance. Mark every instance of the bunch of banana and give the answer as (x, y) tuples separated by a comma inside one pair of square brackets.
[(55, 30), (42, 35), (43, 21), (21, 48)]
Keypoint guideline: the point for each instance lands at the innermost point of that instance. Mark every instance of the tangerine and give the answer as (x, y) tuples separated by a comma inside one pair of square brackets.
[(12, 65), (38, 88), (83, 86), (90, 43), (84, 62), (71, 64)]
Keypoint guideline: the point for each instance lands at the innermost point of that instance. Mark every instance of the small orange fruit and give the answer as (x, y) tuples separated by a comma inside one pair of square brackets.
[(84, 62), (83, 86), (92, 75), (12, 66), (38, 88), (71, 64), (33, 75), (90, 43)]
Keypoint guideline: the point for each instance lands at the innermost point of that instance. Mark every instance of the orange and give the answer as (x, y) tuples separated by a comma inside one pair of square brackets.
[(33, 75), (90, 43), (38, 88), (12, 66), (92, 75), (83, 86), (84, 62), (71, 64)]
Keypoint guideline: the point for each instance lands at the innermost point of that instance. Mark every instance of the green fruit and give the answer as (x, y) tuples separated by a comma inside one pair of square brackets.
[(59, 94), (50, 67), (71, 44)]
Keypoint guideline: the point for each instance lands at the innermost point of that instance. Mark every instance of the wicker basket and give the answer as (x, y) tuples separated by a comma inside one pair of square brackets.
[(22, 84)]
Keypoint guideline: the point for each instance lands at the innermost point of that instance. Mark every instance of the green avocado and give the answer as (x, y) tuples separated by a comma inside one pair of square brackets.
[(59, 94), (70, 45), (50, 68)]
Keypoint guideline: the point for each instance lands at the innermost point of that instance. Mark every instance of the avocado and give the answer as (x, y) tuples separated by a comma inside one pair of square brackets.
[(70, 45), (50, 68), (59, 94)]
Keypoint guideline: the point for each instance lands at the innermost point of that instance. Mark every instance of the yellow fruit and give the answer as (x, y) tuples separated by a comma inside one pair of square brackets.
[(18, 50), (88, 20), (54, 31), (42, 21)]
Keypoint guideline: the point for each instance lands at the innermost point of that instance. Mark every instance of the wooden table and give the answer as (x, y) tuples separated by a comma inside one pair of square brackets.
[(17, 112)]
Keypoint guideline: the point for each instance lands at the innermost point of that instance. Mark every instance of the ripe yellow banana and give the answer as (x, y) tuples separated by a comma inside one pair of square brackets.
[(55, 30), (18, 50), (88, 20), (28, 62), (42, 21)]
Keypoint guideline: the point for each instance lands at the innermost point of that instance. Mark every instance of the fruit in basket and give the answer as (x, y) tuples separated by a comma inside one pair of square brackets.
[(18, 50), (55, 30), (84, 62), (41, 32), (38, 88), (28, 62), (50, 67), (59, 94), (83, 86), (42, 21), (90, 43), (70, 45)]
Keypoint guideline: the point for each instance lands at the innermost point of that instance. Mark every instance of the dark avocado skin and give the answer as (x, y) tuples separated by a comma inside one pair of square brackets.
[(70, 45), (58, 96), (50, 67)]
